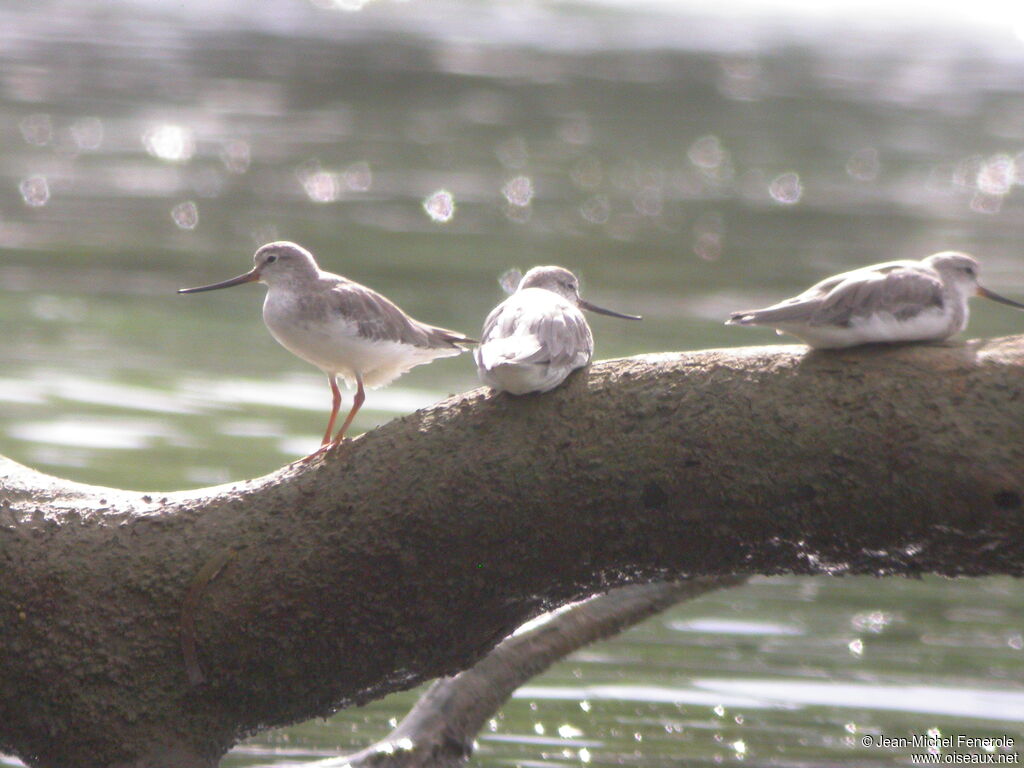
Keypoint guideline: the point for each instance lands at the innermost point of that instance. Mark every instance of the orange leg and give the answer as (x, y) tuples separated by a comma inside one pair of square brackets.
[(357, 403), (335, 405)]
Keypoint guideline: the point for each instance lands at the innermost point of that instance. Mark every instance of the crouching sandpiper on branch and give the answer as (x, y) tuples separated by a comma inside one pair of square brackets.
[(537, 336), (892, 302), (343, 328)]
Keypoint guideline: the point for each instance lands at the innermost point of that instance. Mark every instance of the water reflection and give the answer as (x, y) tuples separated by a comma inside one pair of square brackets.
[(949, 702), (103, 434), (734, 627)]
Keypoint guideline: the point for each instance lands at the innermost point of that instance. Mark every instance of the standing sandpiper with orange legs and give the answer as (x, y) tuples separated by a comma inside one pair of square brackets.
[(343, 328)]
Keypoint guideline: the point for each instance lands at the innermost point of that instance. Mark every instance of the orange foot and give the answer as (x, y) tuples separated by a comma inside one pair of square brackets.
[(324, 449)]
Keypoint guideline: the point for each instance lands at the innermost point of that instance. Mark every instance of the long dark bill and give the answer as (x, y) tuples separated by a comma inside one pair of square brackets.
[(249, 277), (602, 311), (996, 297)]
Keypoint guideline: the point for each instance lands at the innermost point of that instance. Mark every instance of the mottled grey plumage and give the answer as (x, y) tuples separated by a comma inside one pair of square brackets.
[(379, 319), (895, 301), (535, 338), (896, 287)]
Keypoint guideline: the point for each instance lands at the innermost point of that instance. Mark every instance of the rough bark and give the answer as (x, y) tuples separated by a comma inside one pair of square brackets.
[(408, 553)]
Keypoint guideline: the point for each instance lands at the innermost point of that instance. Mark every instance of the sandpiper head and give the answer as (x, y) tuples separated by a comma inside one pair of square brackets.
[(960, 271), (555, 279), (561, 281), (274, 264), (283, 262), (955, 268)]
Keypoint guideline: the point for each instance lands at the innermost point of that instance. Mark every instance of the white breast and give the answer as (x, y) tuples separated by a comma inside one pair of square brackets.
[(333, 344)]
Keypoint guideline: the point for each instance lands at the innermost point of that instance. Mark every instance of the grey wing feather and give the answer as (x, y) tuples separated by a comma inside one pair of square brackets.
[(898, 291), (378, 318), (499, 323), (512, 334), (895, 287), (564, 339), (798, 309)]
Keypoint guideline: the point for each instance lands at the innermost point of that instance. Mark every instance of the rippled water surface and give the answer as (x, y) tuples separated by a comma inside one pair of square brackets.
[(684, 163)]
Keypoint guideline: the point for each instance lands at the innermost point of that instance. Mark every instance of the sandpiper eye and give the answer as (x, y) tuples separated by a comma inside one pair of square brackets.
[(271, 259), (970, 271)]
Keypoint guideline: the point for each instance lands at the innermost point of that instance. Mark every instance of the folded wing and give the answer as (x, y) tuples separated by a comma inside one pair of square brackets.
[(901, 289), (380, 319), (530, 345), (901, 292)]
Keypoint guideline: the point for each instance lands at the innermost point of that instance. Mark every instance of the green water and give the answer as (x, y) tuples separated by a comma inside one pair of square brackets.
[(684, 165)]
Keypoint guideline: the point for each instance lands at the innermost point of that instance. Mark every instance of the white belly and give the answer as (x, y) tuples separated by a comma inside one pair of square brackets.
[(334, 346), (523, 378), (879, 328)]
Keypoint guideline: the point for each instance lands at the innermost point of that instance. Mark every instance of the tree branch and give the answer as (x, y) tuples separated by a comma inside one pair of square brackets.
[(439, 730), (409, 553)]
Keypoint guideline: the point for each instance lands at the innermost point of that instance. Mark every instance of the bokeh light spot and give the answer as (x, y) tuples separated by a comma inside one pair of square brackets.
[(997, 175), (87, 133), (786, 188), (440, 206), (169, 142), (358, 177), (35, 190), (984, 203), (596, 209), (236, 156), (587, 173), (706, 152), (350, 6), (709, 236), (864, 165), (518, 191), (185, 215), (37, 129), (322, 186)]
